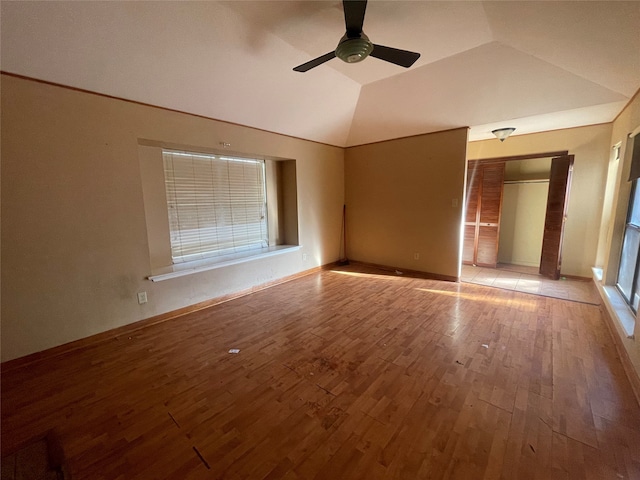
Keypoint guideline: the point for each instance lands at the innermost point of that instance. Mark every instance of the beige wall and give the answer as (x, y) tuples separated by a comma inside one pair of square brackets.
[(524, 207), (404, 197), (522, 223), (591, 146), (614, 217), (614, 214), (528, 169), (74, 239)]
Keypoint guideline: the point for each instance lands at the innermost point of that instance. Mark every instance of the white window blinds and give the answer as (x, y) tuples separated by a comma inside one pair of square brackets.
[(216, 205)]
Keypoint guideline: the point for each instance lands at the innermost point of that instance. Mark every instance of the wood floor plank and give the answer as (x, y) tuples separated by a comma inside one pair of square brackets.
[(353, 373)]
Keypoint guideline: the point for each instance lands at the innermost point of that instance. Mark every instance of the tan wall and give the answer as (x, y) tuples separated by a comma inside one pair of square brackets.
[(591, 146), (614, 216), (528, 169), (523, 211), (74, 239), (522, 223), (405, 197)]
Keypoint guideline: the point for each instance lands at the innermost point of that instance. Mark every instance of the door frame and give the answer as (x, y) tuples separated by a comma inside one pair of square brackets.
[(562, 153)]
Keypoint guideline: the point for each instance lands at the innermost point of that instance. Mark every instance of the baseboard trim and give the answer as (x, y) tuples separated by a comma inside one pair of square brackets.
[(608, 312), (627, 365), (86, 342), (576, 277), (407, 272)]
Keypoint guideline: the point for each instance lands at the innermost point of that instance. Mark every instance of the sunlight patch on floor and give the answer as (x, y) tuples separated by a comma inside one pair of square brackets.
[(482, 298), (368, 275)]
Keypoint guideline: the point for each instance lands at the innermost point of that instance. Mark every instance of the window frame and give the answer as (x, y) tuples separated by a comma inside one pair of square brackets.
[(630, 271), (216, 204), (282, 213)]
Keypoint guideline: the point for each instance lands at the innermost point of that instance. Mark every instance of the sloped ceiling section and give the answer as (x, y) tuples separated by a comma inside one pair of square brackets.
[(599, 41), (485, 84), (197, 57), (531, 65), (542, 66)]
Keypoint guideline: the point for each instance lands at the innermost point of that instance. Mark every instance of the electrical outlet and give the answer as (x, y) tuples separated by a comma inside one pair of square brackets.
[(416, 256), (142, 297), (304, 257)]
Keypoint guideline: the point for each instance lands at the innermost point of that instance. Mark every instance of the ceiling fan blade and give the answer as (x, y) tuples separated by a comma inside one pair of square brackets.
[(315, 62), (354, 16), (404, 58)]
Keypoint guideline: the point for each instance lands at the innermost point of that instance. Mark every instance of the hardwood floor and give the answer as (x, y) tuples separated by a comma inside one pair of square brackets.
[(343, 374)]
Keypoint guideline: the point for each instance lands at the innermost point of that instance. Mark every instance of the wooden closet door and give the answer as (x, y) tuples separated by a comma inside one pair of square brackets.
[(471, 214), (557, 203), (489, 215), (482, 214)]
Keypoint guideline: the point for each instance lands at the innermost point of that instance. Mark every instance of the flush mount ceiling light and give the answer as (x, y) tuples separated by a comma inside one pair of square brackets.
[(503, 133)]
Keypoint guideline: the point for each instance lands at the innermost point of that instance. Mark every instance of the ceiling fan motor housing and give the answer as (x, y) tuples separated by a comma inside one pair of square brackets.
[(354, 49), (355, 46)]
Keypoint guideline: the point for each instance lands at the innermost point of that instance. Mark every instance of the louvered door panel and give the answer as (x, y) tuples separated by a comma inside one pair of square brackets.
[(469, 246), (487, 251), (474, 177), (489, 215), (482, 215), (491, 197)]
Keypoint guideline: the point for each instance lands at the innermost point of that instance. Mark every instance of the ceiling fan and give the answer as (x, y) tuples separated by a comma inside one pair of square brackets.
[(355, 46)]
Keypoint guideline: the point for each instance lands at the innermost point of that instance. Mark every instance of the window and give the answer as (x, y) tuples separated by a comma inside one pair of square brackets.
[(628, 277), (206, 209), (217, 205), (628, 281)]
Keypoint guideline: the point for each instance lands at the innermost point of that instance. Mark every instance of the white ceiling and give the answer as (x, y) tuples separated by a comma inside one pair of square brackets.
[(532, 65)]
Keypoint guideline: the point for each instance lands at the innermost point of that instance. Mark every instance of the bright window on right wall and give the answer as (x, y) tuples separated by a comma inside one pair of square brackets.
[(628, 281)]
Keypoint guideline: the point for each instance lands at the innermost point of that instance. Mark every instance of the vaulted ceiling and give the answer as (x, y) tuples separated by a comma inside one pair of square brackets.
[(535, 66)]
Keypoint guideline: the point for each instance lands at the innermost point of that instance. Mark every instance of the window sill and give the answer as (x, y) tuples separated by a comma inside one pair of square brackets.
[(189, 268), (615, 304), (597, 273)]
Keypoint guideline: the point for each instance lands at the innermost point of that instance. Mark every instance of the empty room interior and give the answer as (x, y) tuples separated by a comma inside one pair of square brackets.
[(246, 240)]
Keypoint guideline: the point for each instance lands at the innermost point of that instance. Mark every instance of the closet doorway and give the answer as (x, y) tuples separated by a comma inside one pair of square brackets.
[(525, 191), (515, 212)]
